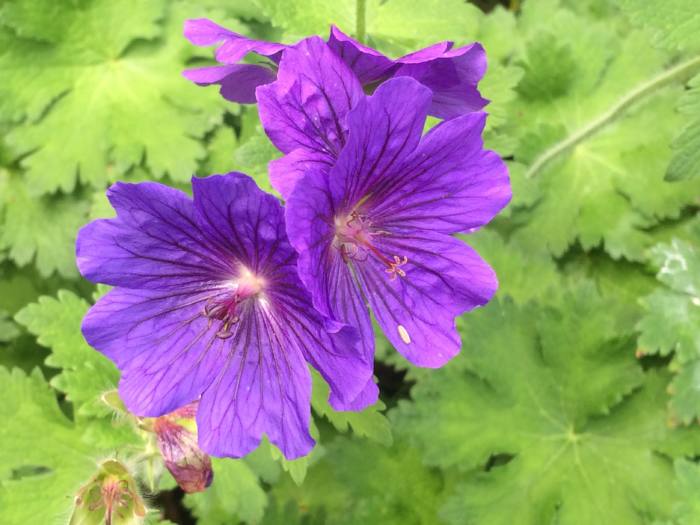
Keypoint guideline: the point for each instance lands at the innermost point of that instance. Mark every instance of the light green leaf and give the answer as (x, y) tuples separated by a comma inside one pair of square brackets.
[(40, 229), (98, 102), (43, 459), (672, 323), (600, 148), (685, 163), (674, 23), (687, 510), (85, 373)]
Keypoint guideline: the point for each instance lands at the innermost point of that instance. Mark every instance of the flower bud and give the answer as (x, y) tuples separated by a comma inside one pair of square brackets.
[(177, 440), (110, 497)]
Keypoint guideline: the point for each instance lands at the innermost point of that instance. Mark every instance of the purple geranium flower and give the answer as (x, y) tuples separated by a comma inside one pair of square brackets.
[(376, 226), (208, 306), (451, 74)]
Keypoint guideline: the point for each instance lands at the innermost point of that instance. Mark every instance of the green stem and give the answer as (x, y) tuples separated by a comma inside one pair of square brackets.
[(360, 6), (643, 90)]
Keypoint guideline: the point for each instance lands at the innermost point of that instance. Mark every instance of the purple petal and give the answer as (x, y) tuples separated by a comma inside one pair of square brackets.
[(452, 77), (244, 222), (231, 207), (307, 105), (451, 184), (264, 387), (444, 278), (384, 130), (286, 171), (310, 213), (238, 81), (368, 64), (426, 54), (204, 32), (162, 343), (153, 241)]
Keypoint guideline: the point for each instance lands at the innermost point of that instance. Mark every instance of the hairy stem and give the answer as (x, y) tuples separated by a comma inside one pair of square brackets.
[(360, 6), (641, 91)]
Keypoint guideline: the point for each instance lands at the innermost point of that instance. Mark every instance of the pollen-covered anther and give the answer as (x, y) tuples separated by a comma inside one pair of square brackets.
[(395, 269)]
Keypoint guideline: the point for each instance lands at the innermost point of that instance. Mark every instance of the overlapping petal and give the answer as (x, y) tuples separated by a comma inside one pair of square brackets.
[(451, 74), (307, 105), (233, 46), (375, 228), (179, 336), (238, 81)]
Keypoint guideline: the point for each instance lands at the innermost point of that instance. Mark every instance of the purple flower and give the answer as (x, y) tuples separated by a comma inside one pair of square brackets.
[(207, 305), (451, 74), (376, 226)]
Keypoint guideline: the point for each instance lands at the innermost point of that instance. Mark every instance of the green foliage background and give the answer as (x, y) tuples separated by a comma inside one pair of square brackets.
[(576, 397)]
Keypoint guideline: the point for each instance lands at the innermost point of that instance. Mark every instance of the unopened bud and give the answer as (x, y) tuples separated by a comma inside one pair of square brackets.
[(110, 497), (177, 440)]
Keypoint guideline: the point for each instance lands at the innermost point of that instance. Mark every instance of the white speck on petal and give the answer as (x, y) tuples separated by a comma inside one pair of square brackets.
[(404, 334)]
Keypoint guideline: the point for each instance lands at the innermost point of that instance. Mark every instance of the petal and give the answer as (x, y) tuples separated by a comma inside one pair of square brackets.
[(384, 130), (306, 107), (452, 77), (286, 171), (426, 54), (444, 278), (243, 222), (204, 32), (264, 387), (153, 242), (238, 81), (310, 213), (368, 64), (181, 454), (252, 224), (366, 398), (451, 184), (160, 341)]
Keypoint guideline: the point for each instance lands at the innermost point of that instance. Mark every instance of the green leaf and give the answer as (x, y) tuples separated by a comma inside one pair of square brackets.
[(516, 266), (44, 461), (551, 419), (674, 23), (672, 323), (41, 230), (687, 510), (234, 495), (253, 155), (362, 482), (598, 150), (685, 163), (220, 149), (369, 423), (95, 103), (85, 373), (396, 25), (8, 329)]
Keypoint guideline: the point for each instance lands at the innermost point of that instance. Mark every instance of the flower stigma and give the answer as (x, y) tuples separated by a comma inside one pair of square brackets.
[(225, 307), (354, 236)]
